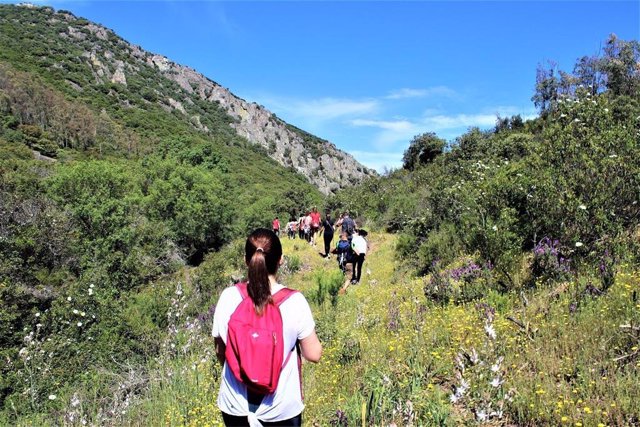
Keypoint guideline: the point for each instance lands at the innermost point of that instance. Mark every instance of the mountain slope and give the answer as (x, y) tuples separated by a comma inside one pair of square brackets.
[(88, 61)]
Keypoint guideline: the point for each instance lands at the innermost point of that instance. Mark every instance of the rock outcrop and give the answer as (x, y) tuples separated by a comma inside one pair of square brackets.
[(113, 60)]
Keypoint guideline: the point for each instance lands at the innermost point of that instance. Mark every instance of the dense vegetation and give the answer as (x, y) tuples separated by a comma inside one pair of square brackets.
[(514, 249), (123, 193), (570, 177)]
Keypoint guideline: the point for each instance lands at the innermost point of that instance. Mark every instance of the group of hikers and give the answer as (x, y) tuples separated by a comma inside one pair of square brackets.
[(351, 247), (263, 330)]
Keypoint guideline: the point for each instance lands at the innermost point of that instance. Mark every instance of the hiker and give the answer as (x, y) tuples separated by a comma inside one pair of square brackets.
[(301, 227), (307, 228), (276, 226), (348, 224), (315, 223), (359, 246), (241, 404), (327, 234), (292, 226), (343, 251)]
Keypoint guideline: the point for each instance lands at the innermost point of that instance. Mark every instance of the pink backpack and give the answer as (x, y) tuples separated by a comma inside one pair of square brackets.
[(254, 351)]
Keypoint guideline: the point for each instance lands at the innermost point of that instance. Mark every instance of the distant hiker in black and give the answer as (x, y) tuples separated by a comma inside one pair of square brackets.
[(327, 227), (348, 224)]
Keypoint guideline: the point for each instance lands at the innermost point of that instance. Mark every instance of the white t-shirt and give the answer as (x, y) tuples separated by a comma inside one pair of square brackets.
[(286, 402), (358, 243)]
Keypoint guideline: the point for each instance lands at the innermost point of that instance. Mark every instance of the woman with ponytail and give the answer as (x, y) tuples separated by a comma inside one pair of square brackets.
[(241, 406)]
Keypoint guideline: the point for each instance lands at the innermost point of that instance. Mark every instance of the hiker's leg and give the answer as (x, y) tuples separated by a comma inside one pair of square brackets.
[(327, 243), (359, 262)]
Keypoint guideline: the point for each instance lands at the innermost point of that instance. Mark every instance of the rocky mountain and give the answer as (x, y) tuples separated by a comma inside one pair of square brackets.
[(87, 54)]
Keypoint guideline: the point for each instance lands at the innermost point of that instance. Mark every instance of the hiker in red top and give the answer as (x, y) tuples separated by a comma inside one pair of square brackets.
[(276, 226), (315, 224)]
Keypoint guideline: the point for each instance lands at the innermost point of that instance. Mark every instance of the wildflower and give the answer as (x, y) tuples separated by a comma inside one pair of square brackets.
[(38, 314), (491, 332), (68, 298), (75, 401), (52, 397), (578, 244), (494, 228), (79, 324), (496, 382), (583, 207), (75, 311)]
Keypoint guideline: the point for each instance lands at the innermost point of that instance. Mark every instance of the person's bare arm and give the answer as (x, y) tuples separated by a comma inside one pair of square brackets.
[(220, 349), (311, 348)]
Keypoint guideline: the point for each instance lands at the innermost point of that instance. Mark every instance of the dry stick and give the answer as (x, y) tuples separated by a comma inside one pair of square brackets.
[(524, 327)]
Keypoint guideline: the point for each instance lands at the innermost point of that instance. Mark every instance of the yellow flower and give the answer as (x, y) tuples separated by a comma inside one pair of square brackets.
[(565, 419)]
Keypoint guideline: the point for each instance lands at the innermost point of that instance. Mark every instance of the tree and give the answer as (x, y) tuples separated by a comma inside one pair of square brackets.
[(621, 64), (423, 149)]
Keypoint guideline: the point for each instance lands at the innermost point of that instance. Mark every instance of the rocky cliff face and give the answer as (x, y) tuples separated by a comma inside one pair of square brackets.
[(114, 60), (321, 161)]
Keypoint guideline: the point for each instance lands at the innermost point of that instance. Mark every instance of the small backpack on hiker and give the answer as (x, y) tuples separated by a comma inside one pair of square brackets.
[(345, 254), (254, 350)]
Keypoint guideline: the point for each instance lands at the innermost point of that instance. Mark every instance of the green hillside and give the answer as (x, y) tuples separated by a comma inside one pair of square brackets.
[(501, 286), (102, 193)]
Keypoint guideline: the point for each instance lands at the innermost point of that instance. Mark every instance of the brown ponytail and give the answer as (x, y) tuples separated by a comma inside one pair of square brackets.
[(262, 255)]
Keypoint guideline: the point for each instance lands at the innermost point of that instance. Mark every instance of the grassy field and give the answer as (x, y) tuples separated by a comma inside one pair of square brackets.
[(391, 357)]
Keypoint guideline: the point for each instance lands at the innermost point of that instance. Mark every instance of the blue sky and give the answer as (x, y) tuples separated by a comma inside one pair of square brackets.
[(368, 76)]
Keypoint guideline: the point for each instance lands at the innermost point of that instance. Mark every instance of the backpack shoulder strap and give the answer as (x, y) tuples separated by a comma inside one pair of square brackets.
[(282, 295), (242, 288)]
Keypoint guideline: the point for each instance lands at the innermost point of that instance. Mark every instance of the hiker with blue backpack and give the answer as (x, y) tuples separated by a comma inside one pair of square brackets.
[(262, 330), (343, 251)]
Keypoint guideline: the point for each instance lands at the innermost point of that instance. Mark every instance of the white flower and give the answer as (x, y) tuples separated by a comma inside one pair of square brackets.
[(68, 298), (481, 415), (75, 401), (453, 398), (583, 207), (91, 285), (38, 314), (496, 382), (491, 332), (606, 110), (578, 244), (75, 311), (494, 228), (613, 156), (90, 291), (52, 397), (79, 324), (82, 313)]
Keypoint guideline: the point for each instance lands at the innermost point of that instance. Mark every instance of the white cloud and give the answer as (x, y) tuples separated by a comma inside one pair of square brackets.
[(379, 160), (450, 122), (398, 125), (322, 109), (404, 93)]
